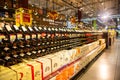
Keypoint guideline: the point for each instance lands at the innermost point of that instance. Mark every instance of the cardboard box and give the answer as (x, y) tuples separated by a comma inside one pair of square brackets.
[(46, 66), (36, 70), (73, 54), (7, 74), (55, 60), (23, 71)]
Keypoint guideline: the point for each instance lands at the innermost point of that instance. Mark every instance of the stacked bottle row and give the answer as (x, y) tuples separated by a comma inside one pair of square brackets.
[(24, 42)]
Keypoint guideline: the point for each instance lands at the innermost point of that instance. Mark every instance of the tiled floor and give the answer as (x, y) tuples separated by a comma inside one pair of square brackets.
[(107, 67)]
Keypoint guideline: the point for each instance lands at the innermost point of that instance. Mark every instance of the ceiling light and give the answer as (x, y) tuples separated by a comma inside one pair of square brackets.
[(118, 19), (102, 3), (105, 16)]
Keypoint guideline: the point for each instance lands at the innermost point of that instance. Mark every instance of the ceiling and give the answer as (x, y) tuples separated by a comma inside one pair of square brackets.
[(89, 8)]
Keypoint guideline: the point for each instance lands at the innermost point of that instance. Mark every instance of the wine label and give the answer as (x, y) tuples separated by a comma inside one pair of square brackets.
[(8, 28), (39, 36), (36, 28), (27, 37), (2, 37), (33, 36), (19, 36), (49, 29), (34, 52), (22, 54), (12, 37), (39, 51), (15, 56), (30, 28), (16, 28), (43, 35), (52, 35), (47, 43), (40, 28), (24, 29), (43, 50), (28, 53), (6, 48), (7, 58)]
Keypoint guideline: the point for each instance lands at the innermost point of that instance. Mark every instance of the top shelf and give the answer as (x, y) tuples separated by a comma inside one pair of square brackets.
[(12, 10)]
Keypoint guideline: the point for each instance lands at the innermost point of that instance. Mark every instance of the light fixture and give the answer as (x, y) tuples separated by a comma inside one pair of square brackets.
[(105, 16), (118, 19), (102, 3)]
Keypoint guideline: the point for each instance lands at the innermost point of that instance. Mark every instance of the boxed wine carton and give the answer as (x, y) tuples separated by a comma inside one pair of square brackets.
[(7, 74)]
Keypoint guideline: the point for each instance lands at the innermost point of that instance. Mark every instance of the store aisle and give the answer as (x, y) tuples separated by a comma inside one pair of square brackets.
[(107, 67)]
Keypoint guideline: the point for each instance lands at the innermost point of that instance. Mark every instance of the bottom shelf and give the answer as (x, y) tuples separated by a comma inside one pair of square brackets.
[(71, 70)]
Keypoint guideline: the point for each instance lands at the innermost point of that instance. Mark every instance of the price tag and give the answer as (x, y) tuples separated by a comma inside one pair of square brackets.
[(12, 37)]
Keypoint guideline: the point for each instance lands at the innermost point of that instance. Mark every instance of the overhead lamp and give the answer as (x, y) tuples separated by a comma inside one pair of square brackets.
[(118, 19), (105, 16), (102, 3)]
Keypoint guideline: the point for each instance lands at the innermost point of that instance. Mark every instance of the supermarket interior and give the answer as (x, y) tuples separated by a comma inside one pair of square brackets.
[(59, 39)]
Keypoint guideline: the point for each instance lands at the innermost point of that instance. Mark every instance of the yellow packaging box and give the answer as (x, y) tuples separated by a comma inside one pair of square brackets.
[(7, 74)]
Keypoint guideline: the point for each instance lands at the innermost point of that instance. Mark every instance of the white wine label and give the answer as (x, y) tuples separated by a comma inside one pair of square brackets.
[(39, 51), (49, 29), (24, 29), (14, 47), (43, 50), (28, 53), (39, 36), (12, 37), (7, 58), (30, 29), (34, 52), (22, 54), (47, 42), (6, 48), (27, 37), (8, 28), (2, 37), (33, 36), (36, 28), (28, 45), (15, 56), (16, 28), (19, 36), (40, 28)]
